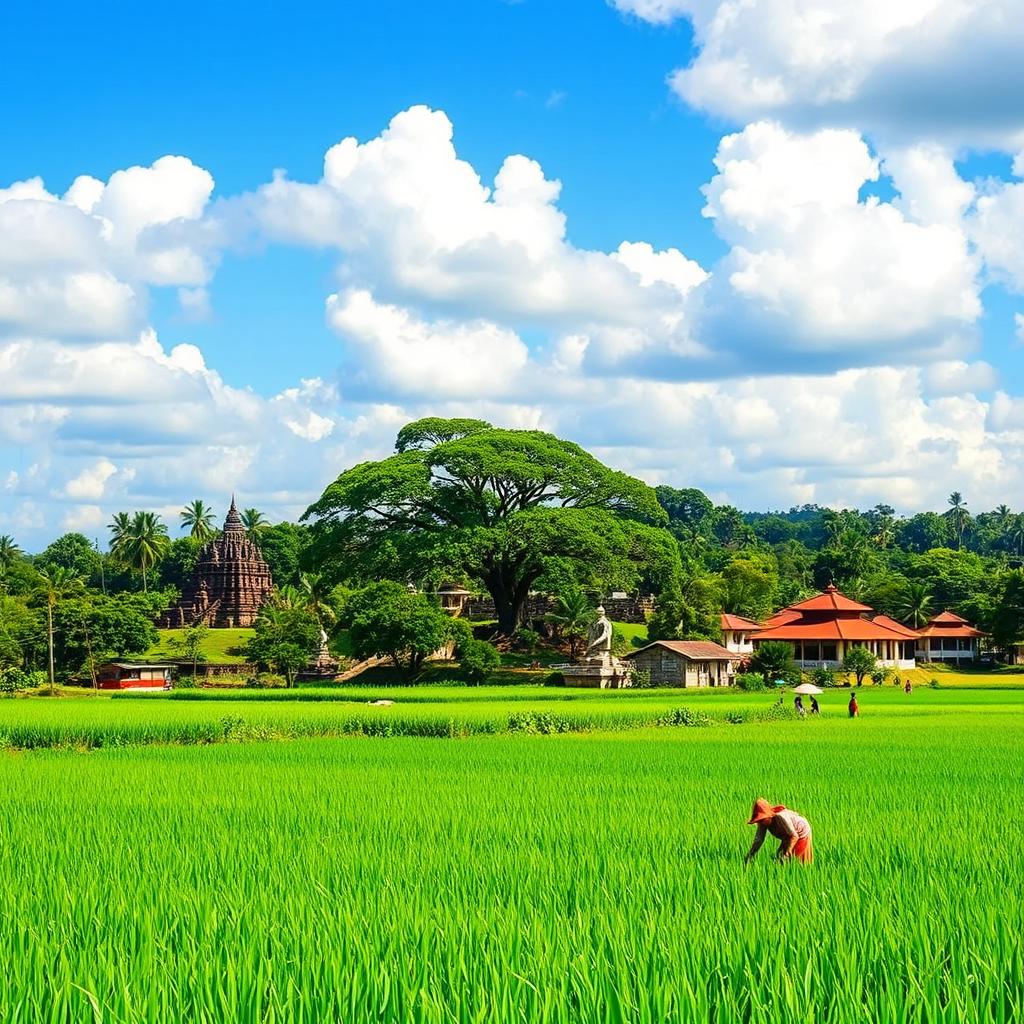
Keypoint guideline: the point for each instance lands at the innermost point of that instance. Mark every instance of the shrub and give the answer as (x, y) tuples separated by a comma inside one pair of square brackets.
[(266, 681), (780, 711), (542, 723), (478, 659), (13, 680), (186, 683), (879, 676), (774, 660), (526, 640), (554, 679), (823, 677), (752, 682), (640, 679), (933, 683), (685, 717)]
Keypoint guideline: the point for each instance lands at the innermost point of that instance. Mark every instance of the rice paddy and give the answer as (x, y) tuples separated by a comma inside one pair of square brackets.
[(592, 875)]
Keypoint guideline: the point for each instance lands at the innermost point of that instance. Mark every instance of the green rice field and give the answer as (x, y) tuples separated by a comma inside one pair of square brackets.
[(198, 860)]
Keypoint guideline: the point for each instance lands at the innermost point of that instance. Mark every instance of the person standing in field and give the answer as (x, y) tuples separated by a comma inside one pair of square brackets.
[(815, 710), (907, 687), (791, 829), (854, 707), (799, 705)]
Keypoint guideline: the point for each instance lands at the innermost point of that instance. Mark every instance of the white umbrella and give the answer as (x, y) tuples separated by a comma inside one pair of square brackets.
[(809, 688)]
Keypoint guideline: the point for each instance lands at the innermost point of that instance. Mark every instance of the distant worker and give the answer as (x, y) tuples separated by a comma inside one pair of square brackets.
[(854, 707), (907, 688), (799, 705), (896, 680), (815, 710), (791, 829)]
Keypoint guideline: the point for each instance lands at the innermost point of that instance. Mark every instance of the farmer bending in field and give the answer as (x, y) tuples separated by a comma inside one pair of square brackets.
[(791, 829)]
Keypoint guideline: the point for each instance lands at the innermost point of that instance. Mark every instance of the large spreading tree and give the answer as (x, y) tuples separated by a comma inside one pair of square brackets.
[(507, 508)]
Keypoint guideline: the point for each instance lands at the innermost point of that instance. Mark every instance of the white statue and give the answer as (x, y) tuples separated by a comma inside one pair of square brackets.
[(599, 637)]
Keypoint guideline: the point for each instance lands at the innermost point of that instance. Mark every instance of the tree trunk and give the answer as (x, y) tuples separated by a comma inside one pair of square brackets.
[(144, 588), (49, 631)]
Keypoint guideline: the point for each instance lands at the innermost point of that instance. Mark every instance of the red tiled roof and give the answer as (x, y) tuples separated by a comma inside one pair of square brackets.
[(834, 629), (949, 624), (737, 622), (884, 620), (692, 650), (947, 617), (829, 600), (780, 618)]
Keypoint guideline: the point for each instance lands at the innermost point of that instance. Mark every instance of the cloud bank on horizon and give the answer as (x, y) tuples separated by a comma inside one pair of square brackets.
[(831, 354)]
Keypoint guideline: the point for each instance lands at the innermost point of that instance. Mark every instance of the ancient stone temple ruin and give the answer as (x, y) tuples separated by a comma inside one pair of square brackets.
[(229, 585)]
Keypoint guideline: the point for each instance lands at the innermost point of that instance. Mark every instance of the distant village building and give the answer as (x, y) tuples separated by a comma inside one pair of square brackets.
[(685, 663), (453, 599), (823, 629), (229, 585), (737, 632), (948, 637), (127, 675)]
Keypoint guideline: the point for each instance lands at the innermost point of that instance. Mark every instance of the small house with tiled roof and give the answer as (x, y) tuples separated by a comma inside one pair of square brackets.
[(686, 663), (948, 637), (736, 633), (824, 628)]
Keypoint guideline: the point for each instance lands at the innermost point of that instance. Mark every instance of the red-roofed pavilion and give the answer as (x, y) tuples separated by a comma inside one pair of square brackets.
[(948, 637), (824, 628)]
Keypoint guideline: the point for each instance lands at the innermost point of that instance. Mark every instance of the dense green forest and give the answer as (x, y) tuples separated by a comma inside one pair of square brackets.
[(698, 559)]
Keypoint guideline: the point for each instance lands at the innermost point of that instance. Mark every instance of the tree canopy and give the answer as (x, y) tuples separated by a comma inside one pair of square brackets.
[(502, 507)]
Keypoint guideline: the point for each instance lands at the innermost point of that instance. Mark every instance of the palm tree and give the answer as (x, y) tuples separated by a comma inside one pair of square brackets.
[(915, 605), (285, 598), (9, 551), (571, 616), (197, 517), (120, 528), (253, 519), (315, 594), (958, 517), (139, 541), (54, 584), (1016, 533)]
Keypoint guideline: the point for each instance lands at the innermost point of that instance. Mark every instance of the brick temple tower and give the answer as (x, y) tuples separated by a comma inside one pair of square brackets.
[(229, 585)]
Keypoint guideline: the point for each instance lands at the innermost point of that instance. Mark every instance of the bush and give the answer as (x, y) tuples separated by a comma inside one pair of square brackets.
[(752, 682), (526, 640), (640, 679), (186, 683), (542, 723), (14, 680), (823, 677), (773, 659), (478, 659), (685, 717), (554, 679), (933, 683), (879, 676), (266, 681)]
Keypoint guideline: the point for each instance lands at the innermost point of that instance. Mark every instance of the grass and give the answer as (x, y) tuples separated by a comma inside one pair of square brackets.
[(634, 632), (221, 646), (592, 877), (206, 717)]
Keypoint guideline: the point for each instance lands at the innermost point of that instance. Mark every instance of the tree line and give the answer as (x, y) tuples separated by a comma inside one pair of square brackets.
[(510, 512)]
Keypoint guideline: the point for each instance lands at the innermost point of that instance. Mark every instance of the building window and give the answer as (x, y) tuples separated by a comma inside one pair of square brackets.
[(829, 652)]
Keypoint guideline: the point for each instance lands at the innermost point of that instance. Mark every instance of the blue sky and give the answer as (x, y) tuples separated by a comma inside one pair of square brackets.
[(569, 83), (817, 303)]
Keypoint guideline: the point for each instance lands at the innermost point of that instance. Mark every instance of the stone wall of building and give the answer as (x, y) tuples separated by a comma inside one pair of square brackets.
[(230, 582)]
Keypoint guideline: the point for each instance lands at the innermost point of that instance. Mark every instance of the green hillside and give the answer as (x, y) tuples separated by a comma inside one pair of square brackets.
[(221, 646)]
